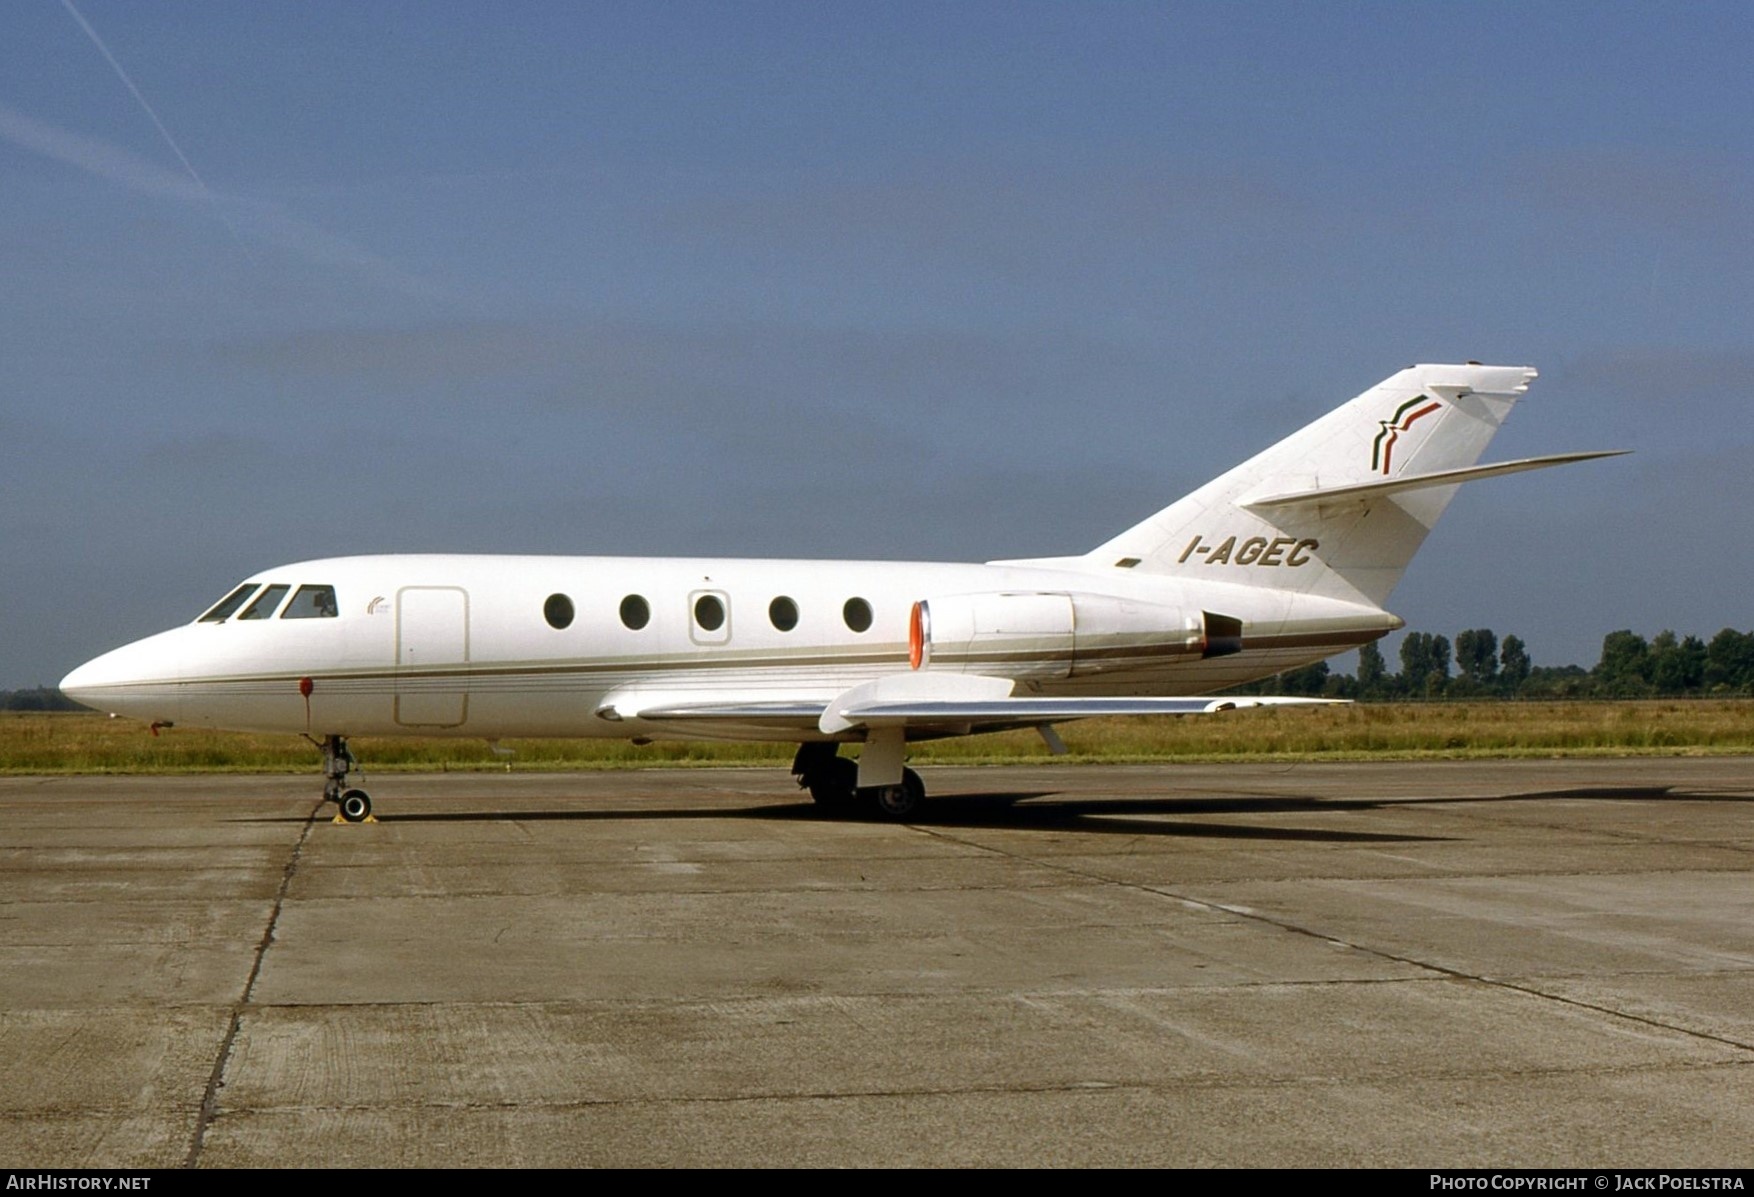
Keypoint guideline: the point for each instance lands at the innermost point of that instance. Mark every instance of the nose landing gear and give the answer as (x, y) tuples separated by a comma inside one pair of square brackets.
[(352, 805)]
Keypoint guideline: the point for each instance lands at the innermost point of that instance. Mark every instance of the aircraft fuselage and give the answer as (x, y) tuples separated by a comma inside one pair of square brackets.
[(500, 646)]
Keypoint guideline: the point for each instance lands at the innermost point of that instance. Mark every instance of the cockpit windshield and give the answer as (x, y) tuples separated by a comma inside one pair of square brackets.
[(312, 602), (263, 607), (231, 602)]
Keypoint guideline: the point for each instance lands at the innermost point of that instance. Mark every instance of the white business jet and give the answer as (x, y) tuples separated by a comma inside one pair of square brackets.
[(1281, 562)]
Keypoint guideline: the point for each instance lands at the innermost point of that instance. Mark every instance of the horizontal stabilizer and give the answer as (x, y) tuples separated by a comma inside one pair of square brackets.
[(1361, 491)]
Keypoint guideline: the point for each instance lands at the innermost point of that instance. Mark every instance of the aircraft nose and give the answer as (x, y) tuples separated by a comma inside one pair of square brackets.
[(138, 680), (81, 685), (98, 680)]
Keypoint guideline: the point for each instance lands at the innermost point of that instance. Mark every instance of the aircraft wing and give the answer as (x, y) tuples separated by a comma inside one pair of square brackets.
[(680, 708), (932, 704), (958, 718)]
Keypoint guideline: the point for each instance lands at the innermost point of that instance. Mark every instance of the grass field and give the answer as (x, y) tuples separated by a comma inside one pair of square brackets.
[(89, 743)]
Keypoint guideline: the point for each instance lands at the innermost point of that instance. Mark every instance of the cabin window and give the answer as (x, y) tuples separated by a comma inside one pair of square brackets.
[(709, 612), (312, 602), (783, 613), (636, 613), (229, 603), (558, 611), (857, 613), (263, 607)]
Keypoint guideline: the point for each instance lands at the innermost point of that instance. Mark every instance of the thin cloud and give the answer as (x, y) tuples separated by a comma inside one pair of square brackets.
[(152, 115), (266, 222), (103, 159)]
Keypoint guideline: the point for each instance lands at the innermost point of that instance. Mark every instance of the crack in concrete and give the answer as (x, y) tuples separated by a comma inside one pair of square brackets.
[(1381, 954), (216, 1079), (1094, 1087)]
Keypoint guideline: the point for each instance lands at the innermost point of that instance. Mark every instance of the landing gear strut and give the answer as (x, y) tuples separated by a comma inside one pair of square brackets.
[(833, 782), (354, 805)]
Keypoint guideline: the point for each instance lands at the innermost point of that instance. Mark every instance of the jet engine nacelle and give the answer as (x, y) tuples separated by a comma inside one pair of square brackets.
[(1047, 635)]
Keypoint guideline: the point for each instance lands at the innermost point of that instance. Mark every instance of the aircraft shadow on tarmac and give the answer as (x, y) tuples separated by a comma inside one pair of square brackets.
[(998, 811), (1048, 810)]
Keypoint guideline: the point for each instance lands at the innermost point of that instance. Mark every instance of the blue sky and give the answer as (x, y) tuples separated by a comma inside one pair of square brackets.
[(949, 281)]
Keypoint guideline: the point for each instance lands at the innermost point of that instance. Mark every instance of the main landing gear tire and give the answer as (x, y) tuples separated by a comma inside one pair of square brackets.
[(834, 785), (356, 806), (833, 782), (900, 802)]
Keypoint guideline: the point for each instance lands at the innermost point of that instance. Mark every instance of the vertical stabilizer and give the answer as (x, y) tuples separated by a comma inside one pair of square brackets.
[(1423, 421)]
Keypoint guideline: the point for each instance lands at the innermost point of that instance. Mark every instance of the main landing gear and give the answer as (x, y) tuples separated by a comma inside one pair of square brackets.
[(352, 805), (833, 782)]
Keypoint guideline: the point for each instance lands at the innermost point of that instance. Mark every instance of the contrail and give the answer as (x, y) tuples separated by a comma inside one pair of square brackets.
[(268, 223), (158, 124)]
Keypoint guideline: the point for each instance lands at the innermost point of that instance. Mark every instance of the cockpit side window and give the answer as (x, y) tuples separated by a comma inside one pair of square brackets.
[(263, 607), (231, 602), (312, 602)]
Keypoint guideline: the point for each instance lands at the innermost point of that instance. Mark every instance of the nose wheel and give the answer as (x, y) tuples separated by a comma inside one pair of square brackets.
[(352, 805), (356, 807)]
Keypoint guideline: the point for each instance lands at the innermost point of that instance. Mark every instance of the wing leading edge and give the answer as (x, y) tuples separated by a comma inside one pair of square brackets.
[(926, 703)]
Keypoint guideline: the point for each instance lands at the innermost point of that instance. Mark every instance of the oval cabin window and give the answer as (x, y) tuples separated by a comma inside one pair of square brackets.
[(557, 611), (709, 613), (635, 612)]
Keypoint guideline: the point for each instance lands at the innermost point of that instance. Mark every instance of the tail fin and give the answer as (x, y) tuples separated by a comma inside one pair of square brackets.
[(1339, 508)]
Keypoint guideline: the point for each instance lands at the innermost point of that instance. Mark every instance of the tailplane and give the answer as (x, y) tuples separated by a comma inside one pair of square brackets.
[(1339, 508)]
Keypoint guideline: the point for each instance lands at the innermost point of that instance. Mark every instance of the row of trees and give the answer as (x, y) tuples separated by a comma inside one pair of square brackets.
[(1484, 667), (43, 698)]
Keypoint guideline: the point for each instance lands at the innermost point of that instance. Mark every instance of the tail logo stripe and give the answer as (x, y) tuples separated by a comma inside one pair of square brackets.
[(1384, 446)]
